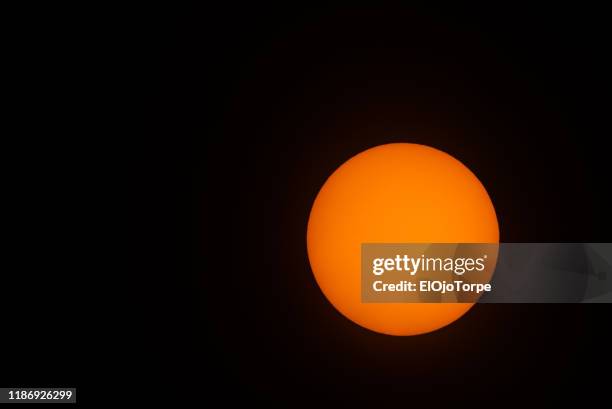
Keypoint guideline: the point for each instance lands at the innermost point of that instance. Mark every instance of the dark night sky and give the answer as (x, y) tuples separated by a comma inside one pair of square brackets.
[(250, 111)]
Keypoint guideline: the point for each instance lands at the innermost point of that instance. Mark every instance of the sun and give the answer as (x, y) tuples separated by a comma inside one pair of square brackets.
[(394, 193)]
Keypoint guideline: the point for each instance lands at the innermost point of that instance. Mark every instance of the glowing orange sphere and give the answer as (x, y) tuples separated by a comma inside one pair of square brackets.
[(395, 193)]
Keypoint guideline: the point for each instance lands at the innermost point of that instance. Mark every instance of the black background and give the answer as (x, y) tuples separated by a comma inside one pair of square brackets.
[(247, 111), (252, 109)]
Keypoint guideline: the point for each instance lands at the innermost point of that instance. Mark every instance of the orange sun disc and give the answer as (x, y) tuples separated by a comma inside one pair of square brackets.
[(395, 193)]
